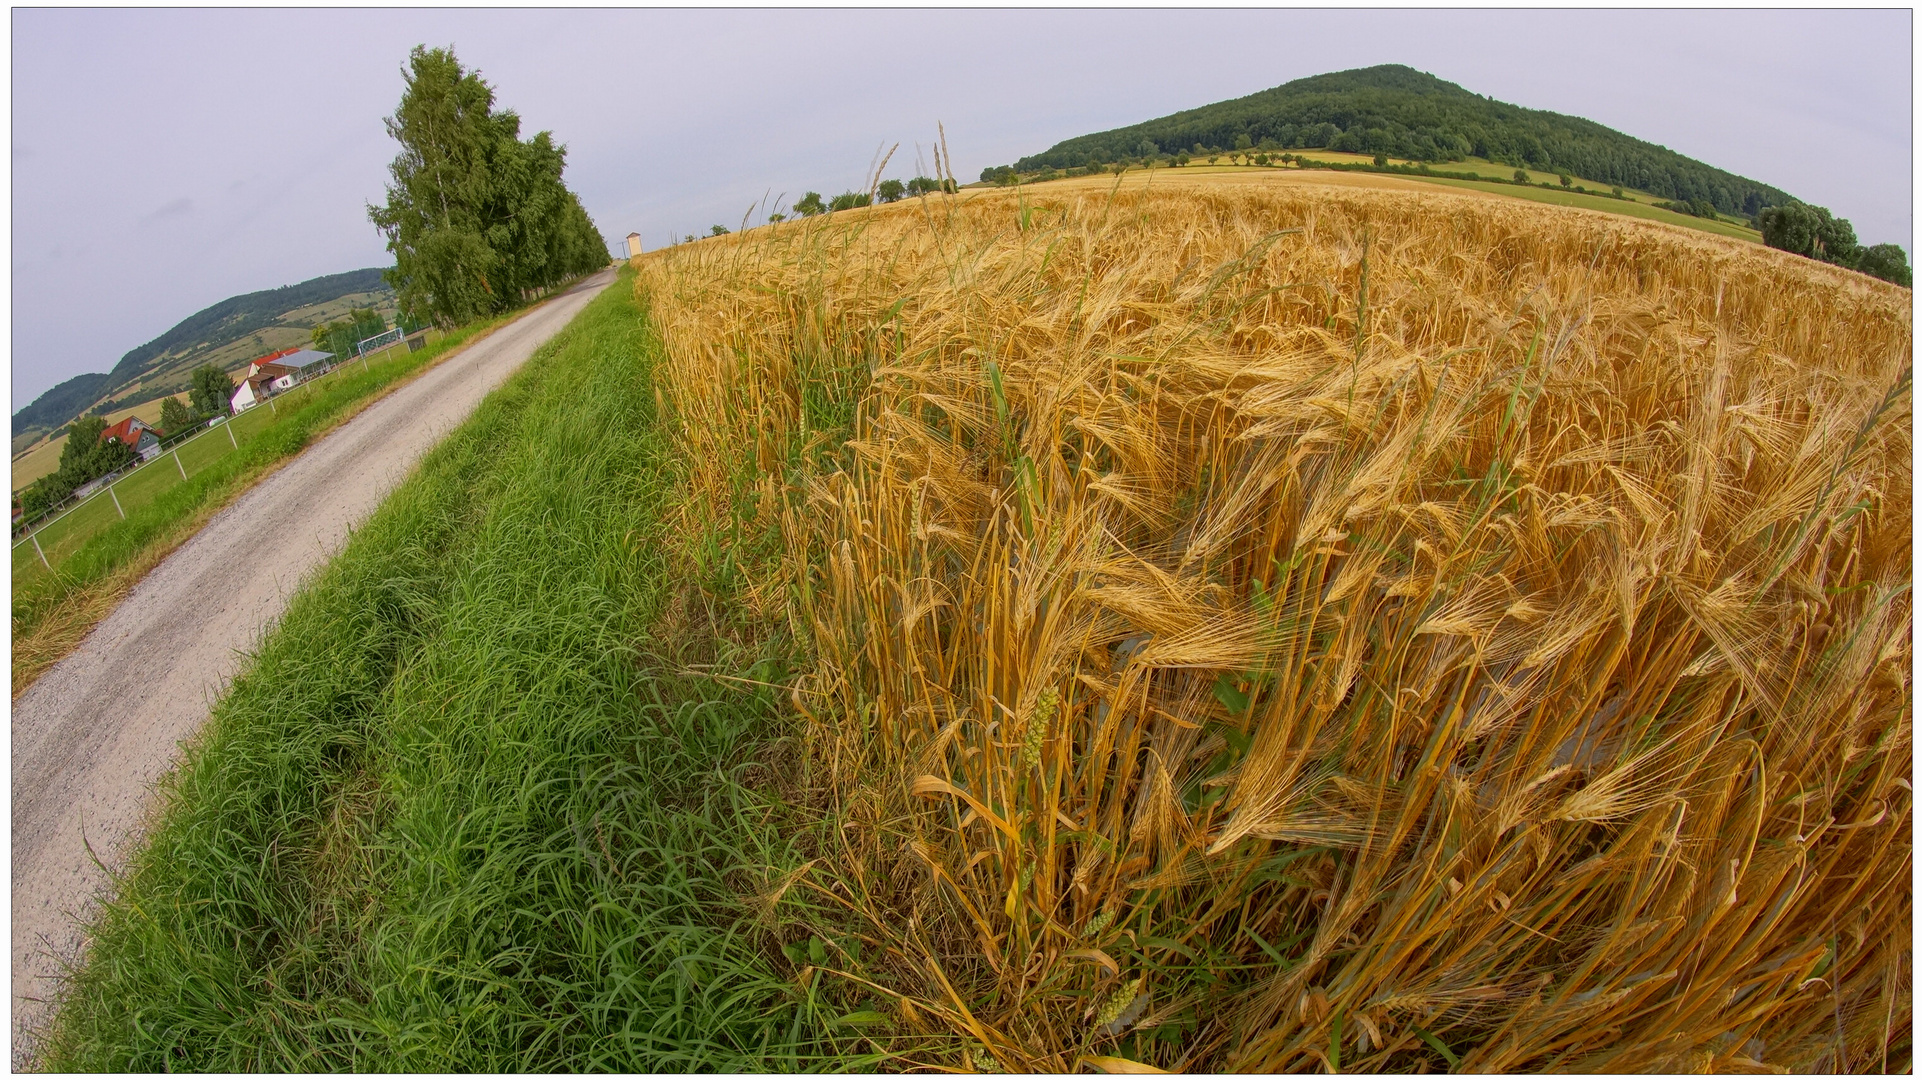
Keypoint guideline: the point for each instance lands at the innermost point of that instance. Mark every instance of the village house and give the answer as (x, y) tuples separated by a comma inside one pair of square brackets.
[(276, 372), (131, 431)]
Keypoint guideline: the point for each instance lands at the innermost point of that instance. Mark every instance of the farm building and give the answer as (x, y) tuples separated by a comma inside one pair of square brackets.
[(275, 372)]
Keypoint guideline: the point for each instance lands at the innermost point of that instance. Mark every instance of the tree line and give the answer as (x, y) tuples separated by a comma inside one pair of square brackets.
[(477, 217)]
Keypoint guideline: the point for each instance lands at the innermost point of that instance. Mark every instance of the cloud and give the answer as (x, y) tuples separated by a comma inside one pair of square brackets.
[(177, 208)]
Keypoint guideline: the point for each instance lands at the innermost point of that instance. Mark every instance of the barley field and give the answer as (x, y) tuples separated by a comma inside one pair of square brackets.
[(1296, 629)]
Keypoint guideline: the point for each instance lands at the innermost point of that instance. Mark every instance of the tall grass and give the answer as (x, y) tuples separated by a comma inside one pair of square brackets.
[(1285, 630), (465, 811)]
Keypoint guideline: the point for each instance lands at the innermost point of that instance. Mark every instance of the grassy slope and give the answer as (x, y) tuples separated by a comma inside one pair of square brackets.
[(51, 612), (455, 816)]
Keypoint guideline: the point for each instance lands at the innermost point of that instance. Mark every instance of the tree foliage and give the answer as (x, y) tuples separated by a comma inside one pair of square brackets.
[(1411, 115), (891, 191), (810, 205), (476, 216), (343, 336), (212, 392), (1813, 232), (86, 456), (176, 417)]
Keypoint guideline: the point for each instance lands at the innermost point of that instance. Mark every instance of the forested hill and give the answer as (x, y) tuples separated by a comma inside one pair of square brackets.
[(1410, 114), (230, 320)]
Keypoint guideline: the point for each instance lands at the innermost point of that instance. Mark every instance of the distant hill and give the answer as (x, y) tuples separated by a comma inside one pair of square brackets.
[(198, 335), (1410, 114)]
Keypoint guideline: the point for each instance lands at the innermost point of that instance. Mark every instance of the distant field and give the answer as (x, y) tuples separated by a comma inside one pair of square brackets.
[(1637, 206), (1602, 202), (1634, 204)]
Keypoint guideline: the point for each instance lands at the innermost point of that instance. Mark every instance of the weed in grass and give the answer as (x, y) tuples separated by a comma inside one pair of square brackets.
[(1510, 672)]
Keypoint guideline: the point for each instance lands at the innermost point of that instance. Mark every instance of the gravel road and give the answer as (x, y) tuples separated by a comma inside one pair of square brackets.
[(92, 736)]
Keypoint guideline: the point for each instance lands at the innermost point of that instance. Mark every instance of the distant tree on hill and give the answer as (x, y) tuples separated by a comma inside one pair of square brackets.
[(1381, 160), (1567, 179), (717, 230), (1243, 142), (1616, 191), (999, 174), (212, 392), (923, 185), (776, 218), (175, 416), (810, 205), (848, 200), (1521, 176), (891, 191)]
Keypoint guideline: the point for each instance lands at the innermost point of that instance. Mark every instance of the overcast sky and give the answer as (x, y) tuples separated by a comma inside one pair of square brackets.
[(165, 160)]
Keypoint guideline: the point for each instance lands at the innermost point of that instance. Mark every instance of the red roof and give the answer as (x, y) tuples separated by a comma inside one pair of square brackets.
[(127, 431)]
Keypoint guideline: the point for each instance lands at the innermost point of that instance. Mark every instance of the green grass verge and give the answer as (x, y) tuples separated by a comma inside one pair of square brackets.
[(457, 814)]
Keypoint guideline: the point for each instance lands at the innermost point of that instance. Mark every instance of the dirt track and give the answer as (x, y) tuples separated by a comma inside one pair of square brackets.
[(95, 732)]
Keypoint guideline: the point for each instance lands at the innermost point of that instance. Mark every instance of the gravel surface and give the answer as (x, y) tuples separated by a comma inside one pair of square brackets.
[(92, 736)]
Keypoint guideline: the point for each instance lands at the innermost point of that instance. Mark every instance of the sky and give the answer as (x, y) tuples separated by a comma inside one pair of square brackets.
[(164, 160)]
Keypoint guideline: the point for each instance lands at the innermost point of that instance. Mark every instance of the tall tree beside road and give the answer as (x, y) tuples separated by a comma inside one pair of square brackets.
[(475, 216)]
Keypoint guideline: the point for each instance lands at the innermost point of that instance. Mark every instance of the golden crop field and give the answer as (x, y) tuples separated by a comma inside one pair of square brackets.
[(1285, 627)]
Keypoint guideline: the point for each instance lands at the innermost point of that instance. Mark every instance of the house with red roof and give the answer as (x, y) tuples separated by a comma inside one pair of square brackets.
[(132, 432)]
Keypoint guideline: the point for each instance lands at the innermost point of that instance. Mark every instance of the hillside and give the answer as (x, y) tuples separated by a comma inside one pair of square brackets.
[(276, 317), (1396, 110)]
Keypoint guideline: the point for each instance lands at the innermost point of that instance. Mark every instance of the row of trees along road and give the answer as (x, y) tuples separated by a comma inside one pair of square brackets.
[(476, 216)]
